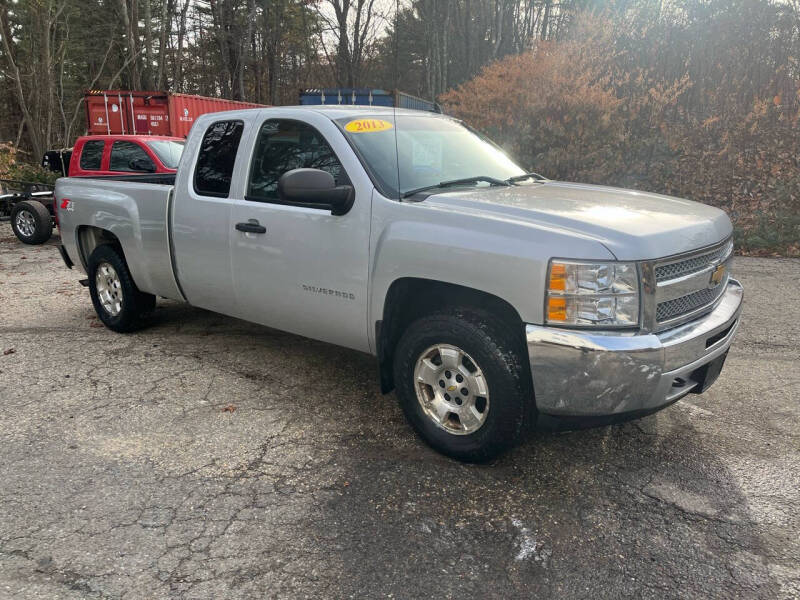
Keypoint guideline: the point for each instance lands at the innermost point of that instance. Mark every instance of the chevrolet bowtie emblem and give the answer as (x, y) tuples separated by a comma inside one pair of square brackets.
[(452, 388), (717, 275)]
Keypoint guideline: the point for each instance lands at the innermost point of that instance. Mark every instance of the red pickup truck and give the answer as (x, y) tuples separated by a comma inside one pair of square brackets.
[(97, 156)]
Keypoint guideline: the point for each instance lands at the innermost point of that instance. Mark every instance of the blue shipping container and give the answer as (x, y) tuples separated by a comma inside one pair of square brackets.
[(366, 97)]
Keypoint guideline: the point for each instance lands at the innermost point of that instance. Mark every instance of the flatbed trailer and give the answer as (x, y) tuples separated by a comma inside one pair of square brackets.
[(29, 207)]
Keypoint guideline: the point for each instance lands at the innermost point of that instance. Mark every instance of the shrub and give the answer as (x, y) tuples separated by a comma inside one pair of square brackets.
[(12, 167), (643, 106)]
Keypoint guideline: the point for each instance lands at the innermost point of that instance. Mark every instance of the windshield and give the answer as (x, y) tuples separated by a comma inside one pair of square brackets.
[(428, 150), (168, 152)]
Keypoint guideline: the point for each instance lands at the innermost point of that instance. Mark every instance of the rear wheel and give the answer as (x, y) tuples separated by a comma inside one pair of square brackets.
[(31, 222), (118, 302), (462, 383)]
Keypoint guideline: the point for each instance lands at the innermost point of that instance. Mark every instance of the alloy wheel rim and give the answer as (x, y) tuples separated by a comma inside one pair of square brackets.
[(451, 389), (109, 289), (25, 222)]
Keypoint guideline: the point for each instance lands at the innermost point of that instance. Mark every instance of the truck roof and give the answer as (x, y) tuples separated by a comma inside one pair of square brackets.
[(338, 111), (139, 137)]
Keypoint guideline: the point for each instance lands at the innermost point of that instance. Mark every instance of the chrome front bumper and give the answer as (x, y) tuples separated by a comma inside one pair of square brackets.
[(577, 373)]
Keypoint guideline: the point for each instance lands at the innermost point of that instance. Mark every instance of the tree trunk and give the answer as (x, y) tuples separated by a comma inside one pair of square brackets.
[(148, 45), (165, 19), (178, 76), (132, 50), (343, 74), (546, 18), (247, 43), (443, 85), (37, 143), (498, 28)]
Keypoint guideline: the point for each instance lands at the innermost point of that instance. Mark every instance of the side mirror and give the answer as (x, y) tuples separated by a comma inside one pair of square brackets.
[(317, 188), (140, 164)]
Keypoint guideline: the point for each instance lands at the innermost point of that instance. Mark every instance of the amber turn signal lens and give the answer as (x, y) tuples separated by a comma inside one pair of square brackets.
[(558, 277), (557, 309)]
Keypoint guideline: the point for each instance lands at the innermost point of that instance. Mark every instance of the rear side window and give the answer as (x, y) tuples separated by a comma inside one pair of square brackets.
[(212, 176), (92, 155), (127, 156)]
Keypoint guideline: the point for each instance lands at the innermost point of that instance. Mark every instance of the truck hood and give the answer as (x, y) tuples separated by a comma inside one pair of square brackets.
[(632, 225)]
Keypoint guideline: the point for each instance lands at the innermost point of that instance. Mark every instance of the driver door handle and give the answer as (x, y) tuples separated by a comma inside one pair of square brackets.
[(251, 227)]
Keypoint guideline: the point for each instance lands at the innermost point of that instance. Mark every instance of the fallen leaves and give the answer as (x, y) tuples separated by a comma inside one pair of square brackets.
[(230, 408), (8, 351)]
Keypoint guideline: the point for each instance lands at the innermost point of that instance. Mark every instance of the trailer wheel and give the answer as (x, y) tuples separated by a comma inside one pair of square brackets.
[(31, 222)]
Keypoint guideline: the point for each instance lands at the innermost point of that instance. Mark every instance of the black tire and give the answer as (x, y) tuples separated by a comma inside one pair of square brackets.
[(135, 305), (38, 213), (501, 357)]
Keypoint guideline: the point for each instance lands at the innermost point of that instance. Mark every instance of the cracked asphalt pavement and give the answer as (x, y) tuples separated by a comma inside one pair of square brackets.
[(205, 457)]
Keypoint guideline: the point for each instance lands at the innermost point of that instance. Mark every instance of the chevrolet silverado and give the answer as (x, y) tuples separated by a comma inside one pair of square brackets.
[(494, 299)]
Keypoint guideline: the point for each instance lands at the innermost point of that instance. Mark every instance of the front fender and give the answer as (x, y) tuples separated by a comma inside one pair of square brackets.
[(503, 258)]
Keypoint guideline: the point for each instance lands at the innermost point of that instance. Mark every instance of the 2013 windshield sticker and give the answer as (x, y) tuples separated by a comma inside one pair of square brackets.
[(328, 292), (367, 125)]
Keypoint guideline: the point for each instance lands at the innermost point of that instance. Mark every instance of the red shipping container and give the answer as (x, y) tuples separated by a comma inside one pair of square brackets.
[(121, 112)]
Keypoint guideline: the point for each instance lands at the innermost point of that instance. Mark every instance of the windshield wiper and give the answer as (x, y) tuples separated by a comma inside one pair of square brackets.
[(525, 176), (452, 182)]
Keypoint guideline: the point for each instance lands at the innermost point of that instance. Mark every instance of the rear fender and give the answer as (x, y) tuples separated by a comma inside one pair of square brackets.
[(132, 215)]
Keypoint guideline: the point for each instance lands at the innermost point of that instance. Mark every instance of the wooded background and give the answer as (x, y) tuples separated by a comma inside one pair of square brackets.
[(696, 98)]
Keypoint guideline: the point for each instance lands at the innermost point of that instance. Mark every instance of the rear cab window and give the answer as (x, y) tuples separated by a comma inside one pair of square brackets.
[(92, 155), (217, 157), (130, 157)]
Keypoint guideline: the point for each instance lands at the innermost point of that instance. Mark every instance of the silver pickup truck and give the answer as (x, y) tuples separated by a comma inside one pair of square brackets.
[(494, 299)]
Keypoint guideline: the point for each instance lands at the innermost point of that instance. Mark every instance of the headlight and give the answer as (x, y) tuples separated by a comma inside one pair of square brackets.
[(596, 294)]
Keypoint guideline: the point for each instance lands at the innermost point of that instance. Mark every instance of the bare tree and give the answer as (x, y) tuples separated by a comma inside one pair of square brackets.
[(165, 30), (35, 87), (128, 13), (177, 76), (348, 35), (147, 72)]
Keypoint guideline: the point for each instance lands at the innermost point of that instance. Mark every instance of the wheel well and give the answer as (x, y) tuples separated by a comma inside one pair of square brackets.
[(90, 237), (410, 298)]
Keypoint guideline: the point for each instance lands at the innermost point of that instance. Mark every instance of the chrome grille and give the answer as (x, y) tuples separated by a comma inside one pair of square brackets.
[(689, 303), (682, 285), (693, 264)]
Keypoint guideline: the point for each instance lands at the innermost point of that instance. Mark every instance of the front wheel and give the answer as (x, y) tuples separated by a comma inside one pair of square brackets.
[(116, 299), (31, 222), (462, 383)]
